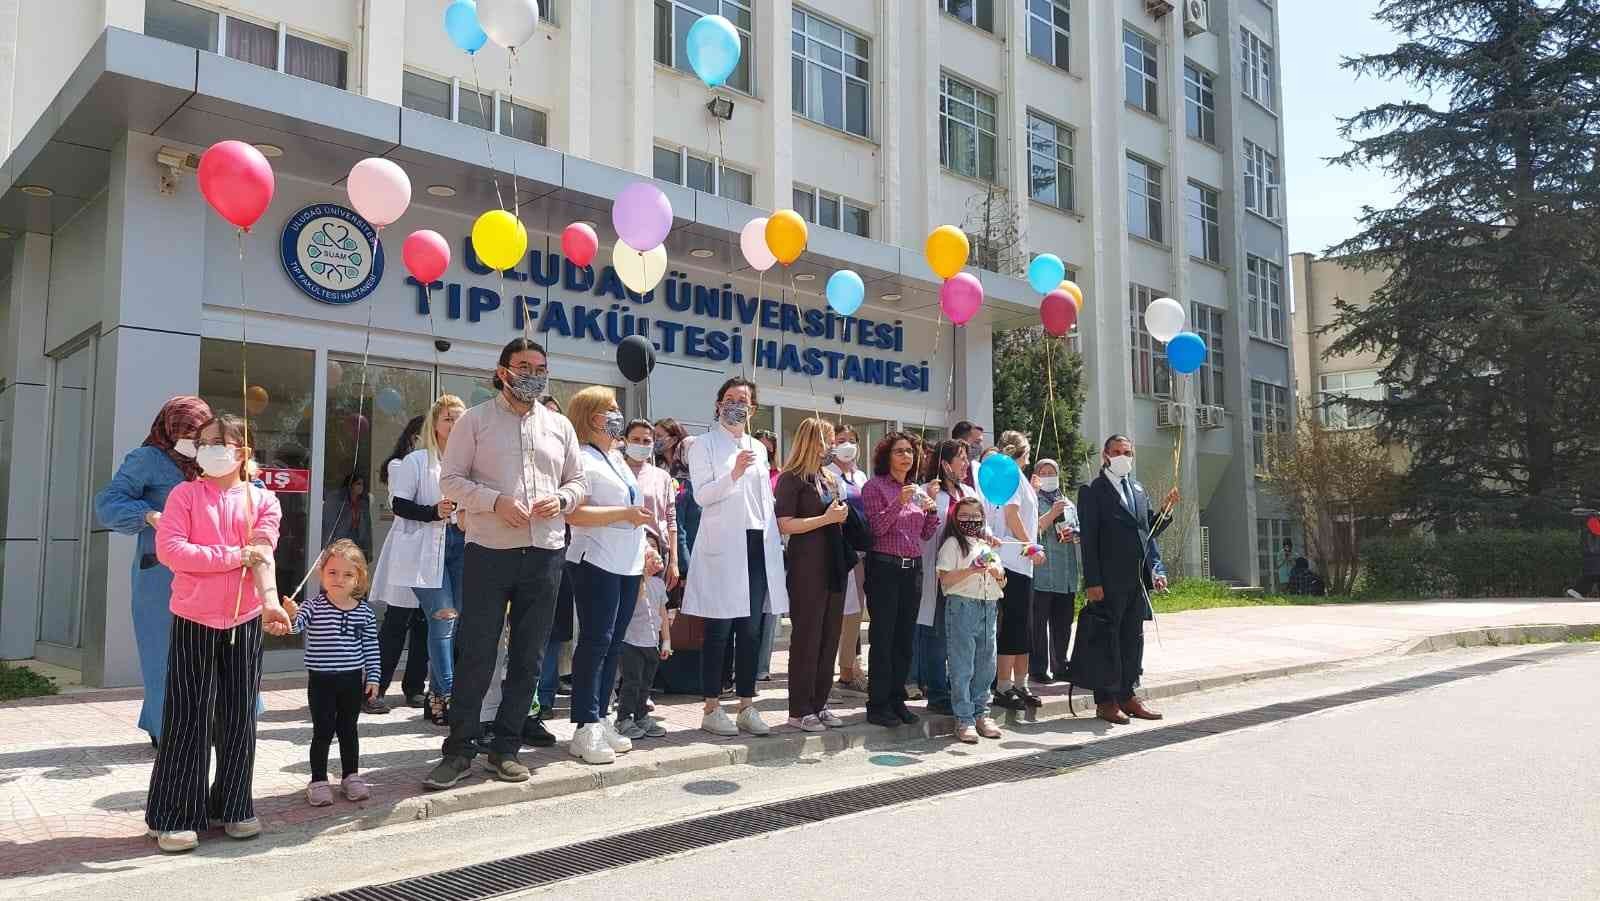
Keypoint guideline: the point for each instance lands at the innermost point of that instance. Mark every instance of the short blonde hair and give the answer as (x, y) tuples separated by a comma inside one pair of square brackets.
[(430, 434), (811, 439), (583, 407), (1014, 444), (348, 550)]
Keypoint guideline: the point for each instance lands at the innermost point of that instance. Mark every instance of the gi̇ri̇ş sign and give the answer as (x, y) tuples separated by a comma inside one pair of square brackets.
[(331, 253)]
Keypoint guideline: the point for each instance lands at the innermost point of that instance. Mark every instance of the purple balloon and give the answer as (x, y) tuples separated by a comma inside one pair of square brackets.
[(960, 296), (642, 216)]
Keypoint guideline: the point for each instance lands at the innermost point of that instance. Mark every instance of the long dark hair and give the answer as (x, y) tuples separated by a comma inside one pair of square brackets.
[(952, 530), (948, 451), (515, 346), (405, 444)]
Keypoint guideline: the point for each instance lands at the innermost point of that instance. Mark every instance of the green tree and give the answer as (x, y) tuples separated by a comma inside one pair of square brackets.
[(1022, 387), (1490, 318)]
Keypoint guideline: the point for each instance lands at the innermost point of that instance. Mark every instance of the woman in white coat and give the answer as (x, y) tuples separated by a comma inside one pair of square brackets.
[(424, 550), (737, 576)]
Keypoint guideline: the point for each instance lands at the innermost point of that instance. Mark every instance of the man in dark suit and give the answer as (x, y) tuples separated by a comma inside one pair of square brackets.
[(1121, 565)]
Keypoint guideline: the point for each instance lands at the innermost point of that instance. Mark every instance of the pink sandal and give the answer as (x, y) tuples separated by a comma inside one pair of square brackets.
[(355, 788), (319, 794)]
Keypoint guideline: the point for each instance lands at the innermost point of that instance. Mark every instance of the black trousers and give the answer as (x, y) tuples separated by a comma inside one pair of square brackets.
[(742, 634), (403, 625), (1125, 611), (1587, 583), (525, 580), (213, 677), (894, 595), (1052, 632), (335, 701)]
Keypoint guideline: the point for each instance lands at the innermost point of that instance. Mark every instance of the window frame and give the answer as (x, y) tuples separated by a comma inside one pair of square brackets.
[(1256, 67), (798, 91), (1265, 307), (947, 123), (1155, 206), (844, 205), (1210, 230), (717, 166), (497, 104), (1331, 400), (948, 7), (1209, 323), (1150, 372), (1056, 31), (1270, 533), (1196, 90), (747, 50), (1263, 181), (1070, 163), (221, 19), (1269, 406), (1149, 49)]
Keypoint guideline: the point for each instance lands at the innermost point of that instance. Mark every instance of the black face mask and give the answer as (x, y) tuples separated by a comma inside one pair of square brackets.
[(971, 529)]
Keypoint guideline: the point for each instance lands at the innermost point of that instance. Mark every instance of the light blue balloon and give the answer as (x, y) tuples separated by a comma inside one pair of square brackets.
[(389, 401), (845, 292), (713, 47), (461, 24), (1046, 272), (998, 479), (1186, 352)]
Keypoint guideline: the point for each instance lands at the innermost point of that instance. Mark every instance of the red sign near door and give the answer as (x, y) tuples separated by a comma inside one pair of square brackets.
[(287, 481)]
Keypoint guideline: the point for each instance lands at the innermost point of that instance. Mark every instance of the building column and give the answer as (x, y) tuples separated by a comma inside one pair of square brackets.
[(24, 435), (773, 78), (973, 359), (576, 26), (383, 43), (893, 32), (1104, 324), (639, 76), (919, 222), (1013, 151)]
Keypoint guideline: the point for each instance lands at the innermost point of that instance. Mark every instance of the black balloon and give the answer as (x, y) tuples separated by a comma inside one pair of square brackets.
[(636, 358)]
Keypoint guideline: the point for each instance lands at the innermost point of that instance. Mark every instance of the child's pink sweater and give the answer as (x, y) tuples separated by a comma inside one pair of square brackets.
[(201, 538)]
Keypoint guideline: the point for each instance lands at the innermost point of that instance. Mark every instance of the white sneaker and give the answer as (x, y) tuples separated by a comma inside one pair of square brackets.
[(717, 723), (614, 738), (176, 842), (830, 719), (589, 745), (243, 829), (750, 721), (807, 723), (1575, 594)]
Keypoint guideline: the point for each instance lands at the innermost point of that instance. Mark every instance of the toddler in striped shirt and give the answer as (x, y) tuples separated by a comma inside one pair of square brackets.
[(342, 667)]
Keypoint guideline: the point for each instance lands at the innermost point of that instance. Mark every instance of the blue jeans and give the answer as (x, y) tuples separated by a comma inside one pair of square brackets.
[(931, 660), (769, 636), (442, 632), (605, 603), (970, 625)]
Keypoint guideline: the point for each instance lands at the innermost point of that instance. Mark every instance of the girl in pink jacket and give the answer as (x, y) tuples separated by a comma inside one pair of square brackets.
[(216, 534)]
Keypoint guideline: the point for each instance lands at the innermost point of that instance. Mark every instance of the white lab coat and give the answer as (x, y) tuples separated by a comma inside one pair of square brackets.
[(413, 552), (719, 580)]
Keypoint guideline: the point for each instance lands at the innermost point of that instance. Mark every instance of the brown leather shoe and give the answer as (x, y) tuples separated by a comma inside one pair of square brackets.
[(1135, 708), (1110, 714)]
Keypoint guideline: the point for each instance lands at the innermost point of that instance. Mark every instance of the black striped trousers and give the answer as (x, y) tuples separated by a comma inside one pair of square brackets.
[(212, 685)]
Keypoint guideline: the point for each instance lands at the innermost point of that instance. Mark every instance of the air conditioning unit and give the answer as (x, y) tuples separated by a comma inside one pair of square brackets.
[(1196, 16), (1157, 8), (1209, 416), (1169, 415)]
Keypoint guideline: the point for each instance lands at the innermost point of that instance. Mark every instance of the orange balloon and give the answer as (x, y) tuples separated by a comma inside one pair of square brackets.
[(1074, 291), (255, 400), (947, 249), (786, 235)]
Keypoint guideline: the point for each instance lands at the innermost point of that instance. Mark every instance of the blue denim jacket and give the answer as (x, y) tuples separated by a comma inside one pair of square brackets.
[(143, 481), (1060, 572)]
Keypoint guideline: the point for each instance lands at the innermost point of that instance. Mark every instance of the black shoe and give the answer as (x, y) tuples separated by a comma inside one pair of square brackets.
[(1009, 700), (1028, 698), (418, 701), (941, 708), (449, 771), (905, 715), (885, 718), (1043, 678), (535, 734)]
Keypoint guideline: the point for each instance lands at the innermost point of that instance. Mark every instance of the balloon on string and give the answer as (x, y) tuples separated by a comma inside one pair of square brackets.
[(1076, 292), (712, 46), (947, 249), (461, 26), (390, 402), (753, 243), (845, 292), (237, 181), (1186, 352), (642, 215), (499, 240), (379, 190), (636, 358), (1046, 272), (426, 254), (960, 297), (509, 23), (579, 244), (998, 479), (1164, 318), (786, 236), (641, 271), (255, 400), (1058, 313), (1594, 525)]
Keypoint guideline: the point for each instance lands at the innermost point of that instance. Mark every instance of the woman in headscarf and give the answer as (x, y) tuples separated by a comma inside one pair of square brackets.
[(131, 504)]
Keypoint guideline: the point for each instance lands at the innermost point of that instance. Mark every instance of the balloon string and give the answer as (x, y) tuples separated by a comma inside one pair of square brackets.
[(938, 334), (244, 408), (488, 124), (427, 294), (511, 126), (805, 344), (755, 345)]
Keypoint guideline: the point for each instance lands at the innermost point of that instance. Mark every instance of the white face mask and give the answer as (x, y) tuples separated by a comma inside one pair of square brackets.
[(845, 452), (184, 446), (217, 460), (1121, 467), (1049, 483), (639, 452)]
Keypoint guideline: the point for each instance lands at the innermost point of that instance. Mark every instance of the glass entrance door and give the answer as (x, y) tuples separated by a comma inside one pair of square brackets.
[(364, 423), (71, 428)]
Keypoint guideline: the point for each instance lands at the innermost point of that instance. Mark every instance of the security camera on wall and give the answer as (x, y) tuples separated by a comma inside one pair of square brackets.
[(441, 345), (838, 399)]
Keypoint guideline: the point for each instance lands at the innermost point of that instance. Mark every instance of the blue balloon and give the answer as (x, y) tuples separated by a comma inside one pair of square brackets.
[(845, 292), (713, 48), (461, 24), (998, 479), (1046, 272), (389, 401), (1186, 352)]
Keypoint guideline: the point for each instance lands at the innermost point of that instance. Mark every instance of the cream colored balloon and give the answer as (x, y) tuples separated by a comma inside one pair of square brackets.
[(641, 272)]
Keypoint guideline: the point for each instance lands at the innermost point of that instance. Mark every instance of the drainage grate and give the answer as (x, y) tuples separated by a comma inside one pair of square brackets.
[(527, 871)]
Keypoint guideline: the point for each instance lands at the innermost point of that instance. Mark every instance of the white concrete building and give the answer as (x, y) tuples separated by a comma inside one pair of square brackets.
[(1139, 138)]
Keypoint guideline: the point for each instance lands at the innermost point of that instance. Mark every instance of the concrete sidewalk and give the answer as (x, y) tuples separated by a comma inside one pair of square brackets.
[(74, 768)]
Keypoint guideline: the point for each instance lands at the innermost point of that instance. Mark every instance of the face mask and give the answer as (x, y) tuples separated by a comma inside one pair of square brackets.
[(1120, 466), (639, 452), (184, 446), (615, 424), (1050, 483), (735, 412), (217, 460), (845, 452), (526, 387), (972, 528), (975, 449)]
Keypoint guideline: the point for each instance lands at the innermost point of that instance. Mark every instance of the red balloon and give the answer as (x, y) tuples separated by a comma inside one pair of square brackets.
[(1058, 312), (427, 255), (1594, 524), (237, 181), (579, 244)]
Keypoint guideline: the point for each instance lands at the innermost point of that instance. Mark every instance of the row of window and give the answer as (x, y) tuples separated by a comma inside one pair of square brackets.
[(269, 46), (1152, 376)]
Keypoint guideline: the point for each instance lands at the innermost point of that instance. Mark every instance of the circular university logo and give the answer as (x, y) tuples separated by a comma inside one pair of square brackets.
[(331, 253)]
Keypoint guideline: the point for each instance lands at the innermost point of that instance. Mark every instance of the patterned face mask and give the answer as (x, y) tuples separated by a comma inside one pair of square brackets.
[(972, 528), (735, 412), (527, 387), (615, 424)]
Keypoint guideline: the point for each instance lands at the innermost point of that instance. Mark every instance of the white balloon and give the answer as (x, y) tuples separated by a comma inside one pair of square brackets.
[(641, 272), (1164, 319), (509, 23), (753, 241)]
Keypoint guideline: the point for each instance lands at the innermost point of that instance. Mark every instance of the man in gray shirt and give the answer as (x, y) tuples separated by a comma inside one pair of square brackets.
[(512, 467)]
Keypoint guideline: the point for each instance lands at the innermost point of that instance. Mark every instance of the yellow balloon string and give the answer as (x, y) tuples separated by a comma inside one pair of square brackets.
[(488, 124), (938, 333)]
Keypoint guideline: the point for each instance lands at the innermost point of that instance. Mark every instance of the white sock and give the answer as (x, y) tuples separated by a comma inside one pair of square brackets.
[(1002, 685)]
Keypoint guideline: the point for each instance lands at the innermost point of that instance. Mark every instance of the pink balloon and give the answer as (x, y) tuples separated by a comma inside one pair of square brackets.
[(1058, 312), (753, 241), (379, 190), (237, 181), (960, 296), (579, 244), (427, 255)]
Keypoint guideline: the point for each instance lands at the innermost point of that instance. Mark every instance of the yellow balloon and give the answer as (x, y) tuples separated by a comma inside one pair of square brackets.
[(786, 235), (947, 250), (499, 240), (1074, 291), (641, 272)]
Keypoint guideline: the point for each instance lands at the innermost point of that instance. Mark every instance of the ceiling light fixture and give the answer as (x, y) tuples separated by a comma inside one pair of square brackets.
[(36, 191), (805, 277), (702, 253), (441, 190), (891, 297), (270, 150)]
